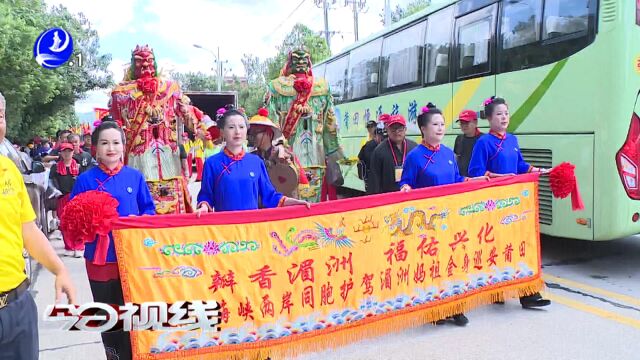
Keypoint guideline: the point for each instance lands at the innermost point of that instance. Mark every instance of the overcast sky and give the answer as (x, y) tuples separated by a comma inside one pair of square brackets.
[(171, 28)]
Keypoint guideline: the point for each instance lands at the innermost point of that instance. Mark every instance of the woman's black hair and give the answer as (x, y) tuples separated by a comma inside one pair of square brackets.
[(106, 125), (427, 114), (490, 105), (231, 110)]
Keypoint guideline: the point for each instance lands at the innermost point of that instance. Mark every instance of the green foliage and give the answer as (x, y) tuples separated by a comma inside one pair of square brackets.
[(400, 13), (40, 101), (196, 81)]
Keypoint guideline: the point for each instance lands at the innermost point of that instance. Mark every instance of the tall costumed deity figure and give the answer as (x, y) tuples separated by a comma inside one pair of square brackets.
[(303, 106), (152, 111)]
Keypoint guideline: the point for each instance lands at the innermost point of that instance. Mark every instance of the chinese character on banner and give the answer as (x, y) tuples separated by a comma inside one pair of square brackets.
[(395, 110), (219, 281), (465, 263), (419, 275), (428, 248), (307, 297), (334, 263), (450, 266), (245, 310), (267, 307), (403, 275), (397, 251), (326, 294), (385, 279), (523, 248), (345, 288), (413, 112), (477, 260), (366, 282), (507, 253), (435, 269), (492, 257), (304, 271), (224, 312), (286, 302), (459, 238), (484, 234), (263, 277)]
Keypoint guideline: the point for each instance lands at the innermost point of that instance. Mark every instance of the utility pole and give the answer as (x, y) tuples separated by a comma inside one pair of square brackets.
[(325, 7), (219, 64), (387, 13), (358, 7)]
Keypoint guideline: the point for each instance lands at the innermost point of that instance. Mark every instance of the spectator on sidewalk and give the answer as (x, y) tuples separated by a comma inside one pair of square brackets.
[(63, 177)]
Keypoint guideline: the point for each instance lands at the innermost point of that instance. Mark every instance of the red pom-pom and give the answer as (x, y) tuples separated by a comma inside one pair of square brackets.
[(562, 180), (88, 215), (563, 183), (263, 112)]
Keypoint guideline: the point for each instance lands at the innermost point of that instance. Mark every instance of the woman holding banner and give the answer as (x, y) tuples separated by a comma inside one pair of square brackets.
[(234, 180), (128, 186), (498, 154), (432, 164)]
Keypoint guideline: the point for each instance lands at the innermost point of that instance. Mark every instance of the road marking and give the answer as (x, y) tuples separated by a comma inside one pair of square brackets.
[(593, 310), (592, 289)]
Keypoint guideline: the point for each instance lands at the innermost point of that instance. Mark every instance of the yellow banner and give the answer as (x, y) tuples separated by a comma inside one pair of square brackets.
[(292, 280)]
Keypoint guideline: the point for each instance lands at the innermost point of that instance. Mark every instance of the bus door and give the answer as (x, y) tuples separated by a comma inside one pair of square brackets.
[(474, 59)]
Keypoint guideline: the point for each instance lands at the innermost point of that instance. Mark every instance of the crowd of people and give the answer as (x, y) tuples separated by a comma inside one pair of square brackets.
[(146, 161)]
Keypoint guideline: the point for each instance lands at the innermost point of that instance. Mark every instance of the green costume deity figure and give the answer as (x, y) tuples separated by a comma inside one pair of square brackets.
[(303, 106)]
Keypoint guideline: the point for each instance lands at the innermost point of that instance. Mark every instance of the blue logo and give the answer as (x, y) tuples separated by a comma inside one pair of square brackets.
[(53, 48)]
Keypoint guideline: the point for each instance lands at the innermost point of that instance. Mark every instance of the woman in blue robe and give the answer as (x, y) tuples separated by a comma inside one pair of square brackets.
[(431, 163), (128, 186), (235, 180), (498, 154)]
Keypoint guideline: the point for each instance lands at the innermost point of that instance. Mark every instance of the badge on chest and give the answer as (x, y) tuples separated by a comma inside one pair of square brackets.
[(398, 172)]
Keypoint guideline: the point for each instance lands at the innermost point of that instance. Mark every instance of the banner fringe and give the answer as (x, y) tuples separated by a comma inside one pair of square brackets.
[(331, 338)]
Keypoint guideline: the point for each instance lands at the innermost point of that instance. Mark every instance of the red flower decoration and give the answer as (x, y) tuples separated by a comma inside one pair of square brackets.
[(148, 84), (563, 183), (90, 215), (263, 112), (302, 84)]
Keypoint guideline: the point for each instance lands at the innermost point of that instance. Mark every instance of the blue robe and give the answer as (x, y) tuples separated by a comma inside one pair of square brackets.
[(497, 156), (424, 167), (128, 187), (230, 185)]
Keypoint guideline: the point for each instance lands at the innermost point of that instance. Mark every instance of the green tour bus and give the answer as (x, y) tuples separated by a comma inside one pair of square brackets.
[(569, 69)]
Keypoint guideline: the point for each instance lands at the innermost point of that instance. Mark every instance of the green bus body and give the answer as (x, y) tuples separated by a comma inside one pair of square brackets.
[(571, 96)]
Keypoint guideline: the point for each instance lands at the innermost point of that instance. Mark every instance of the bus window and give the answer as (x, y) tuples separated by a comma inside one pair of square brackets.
[(318, 70), (563, 17), (438, 44), (474, 46), (401, 58), (364, 65), (336, 75), (520, 34)]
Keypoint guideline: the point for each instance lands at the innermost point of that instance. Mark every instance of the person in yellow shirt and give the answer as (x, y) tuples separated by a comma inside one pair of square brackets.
[(198, 148), (18, 230)]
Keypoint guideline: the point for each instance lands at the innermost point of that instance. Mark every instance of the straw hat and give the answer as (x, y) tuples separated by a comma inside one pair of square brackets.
[(262, 118)]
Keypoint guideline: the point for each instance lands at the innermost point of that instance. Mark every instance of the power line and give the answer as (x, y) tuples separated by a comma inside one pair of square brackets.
[(285, 20)]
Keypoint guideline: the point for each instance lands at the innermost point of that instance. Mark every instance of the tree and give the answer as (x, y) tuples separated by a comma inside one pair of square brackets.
[(300, 35), (196, 81), (399, 13), (40, 101)]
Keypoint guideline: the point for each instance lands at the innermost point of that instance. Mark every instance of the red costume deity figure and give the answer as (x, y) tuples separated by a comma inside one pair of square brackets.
[(152, 111)]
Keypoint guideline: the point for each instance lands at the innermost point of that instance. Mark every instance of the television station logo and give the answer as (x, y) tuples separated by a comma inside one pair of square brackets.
[(53, 48)]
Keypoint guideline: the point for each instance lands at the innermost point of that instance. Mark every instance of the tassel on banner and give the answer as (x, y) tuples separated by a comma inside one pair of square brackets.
[(395, 321)]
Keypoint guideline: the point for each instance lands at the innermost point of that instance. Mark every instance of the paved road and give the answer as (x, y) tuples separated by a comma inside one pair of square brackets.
[(595, 315)]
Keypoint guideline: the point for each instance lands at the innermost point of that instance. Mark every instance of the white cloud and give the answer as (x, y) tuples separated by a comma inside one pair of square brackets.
[(107, 17), (242, 27)]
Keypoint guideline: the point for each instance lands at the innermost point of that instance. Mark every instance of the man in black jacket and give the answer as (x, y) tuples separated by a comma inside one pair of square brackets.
[(389, 156), (367, 151)]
